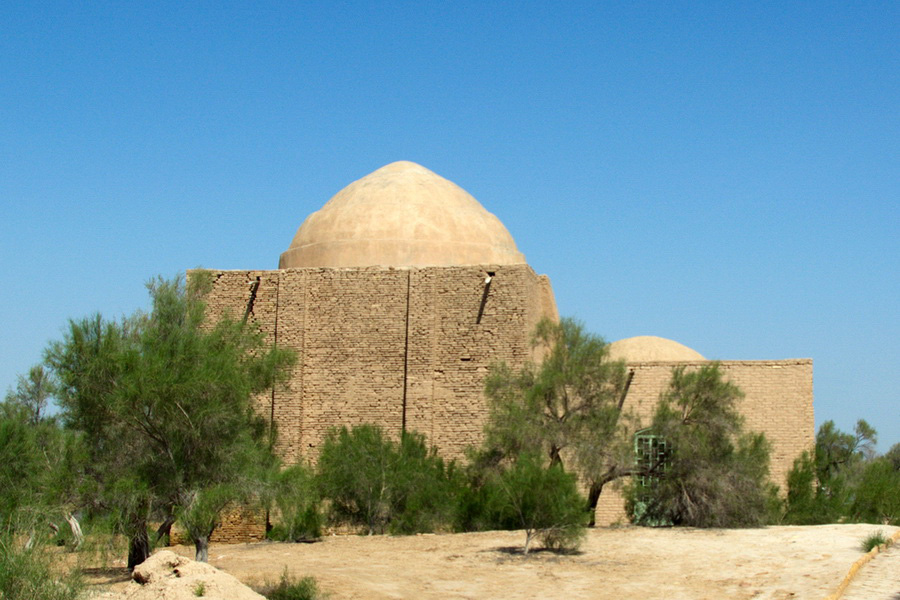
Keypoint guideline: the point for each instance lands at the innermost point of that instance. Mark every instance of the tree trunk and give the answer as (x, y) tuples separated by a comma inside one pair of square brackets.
[(76, 529), (165, 529), (555, 458), (593, 498), (529, 535), (597, 487), (138, 548), (201, 545)]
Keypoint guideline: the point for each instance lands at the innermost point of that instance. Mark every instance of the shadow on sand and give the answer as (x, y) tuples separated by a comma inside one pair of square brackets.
[(105, 575), (520, 550)]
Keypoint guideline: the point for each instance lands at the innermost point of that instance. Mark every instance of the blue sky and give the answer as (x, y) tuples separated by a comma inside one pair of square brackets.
[(723, 174)]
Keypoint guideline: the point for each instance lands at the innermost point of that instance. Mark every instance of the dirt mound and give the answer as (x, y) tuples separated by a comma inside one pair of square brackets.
[(168, 576)]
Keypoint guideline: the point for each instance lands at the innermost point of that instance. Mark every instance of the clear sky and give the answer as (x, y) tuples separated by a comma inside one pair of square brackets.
[(723, 174)]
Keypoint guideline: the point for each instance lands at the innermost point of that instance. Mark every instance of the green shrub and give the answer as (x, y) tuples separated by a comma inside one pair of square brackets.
[(297, 500), (288, 588), (353, 471), (811, 501), (543, 500), (480, 507), (373, 482), (873, 540), (877, 493), (425, 488), (30, 574), (20, 455), (563, 539), (844, 481), (305, 526), (802, 504)]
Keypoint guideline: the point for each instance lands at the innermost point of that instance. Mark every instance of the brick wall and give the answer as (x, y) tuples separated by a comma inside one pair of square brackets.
[(238, 525), (384, 345), (778, 401)]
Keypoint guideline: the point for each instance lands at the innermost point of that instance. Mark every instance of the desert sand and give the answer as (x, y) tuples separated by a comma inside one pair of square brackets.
[(629, 562)]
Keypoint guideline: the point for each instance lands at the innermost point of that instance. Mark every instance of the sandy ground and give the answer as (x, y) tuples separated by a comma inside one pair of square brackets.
[(631, 562), (878, 579)]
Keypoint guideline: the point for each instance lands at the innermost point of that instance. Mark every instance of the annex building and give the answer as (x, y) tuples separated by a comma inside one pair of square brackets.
[(400, 293)]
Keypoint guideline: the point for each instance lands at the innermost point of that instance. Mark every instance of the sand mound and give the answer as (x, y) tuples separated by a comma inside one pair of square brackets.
[(168, 576)]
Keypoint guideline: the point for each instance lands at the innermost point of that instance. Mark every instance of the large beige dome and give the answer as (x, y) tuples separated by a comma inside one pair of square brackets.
[(649, 348), (401, 215)]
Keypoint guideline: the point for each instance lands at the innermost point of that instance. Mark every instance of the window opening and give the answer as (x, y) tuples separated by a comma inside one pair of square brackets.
[(650, 452)]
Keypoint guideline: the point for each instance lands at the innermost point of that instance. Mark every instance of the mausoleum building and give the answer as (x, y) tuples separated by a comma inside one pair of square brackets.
[(401, 292)]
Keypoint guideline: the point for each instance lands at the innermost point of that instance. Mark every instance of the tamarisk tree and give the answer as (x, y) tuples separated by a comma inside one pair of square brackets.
[(165, 402), (568, 408), (715, 474)]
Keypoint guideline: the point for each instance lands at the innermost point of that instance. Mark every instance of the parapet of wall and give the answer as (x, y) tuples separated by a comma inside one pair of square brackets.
[(778, 401)]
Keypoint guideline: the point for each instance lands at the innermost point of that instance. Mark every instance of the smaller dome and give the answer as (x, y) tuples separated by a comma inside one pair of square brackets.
[(649, 348)]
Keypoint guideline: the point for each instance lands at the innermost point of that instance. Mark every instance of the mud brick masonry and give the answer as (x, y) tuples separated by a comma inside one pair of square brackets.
[(400, 348), (402, 291), (777, 402)]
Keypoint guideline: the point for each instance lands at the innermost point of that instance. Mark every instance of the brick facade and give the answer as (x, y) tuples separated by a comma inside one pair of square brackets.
[(778, 401), (392, 347)]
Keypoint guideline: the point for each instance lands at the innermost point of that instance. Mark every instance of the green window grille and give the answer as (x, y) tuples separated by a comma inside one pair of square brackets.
[(651, 452)]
